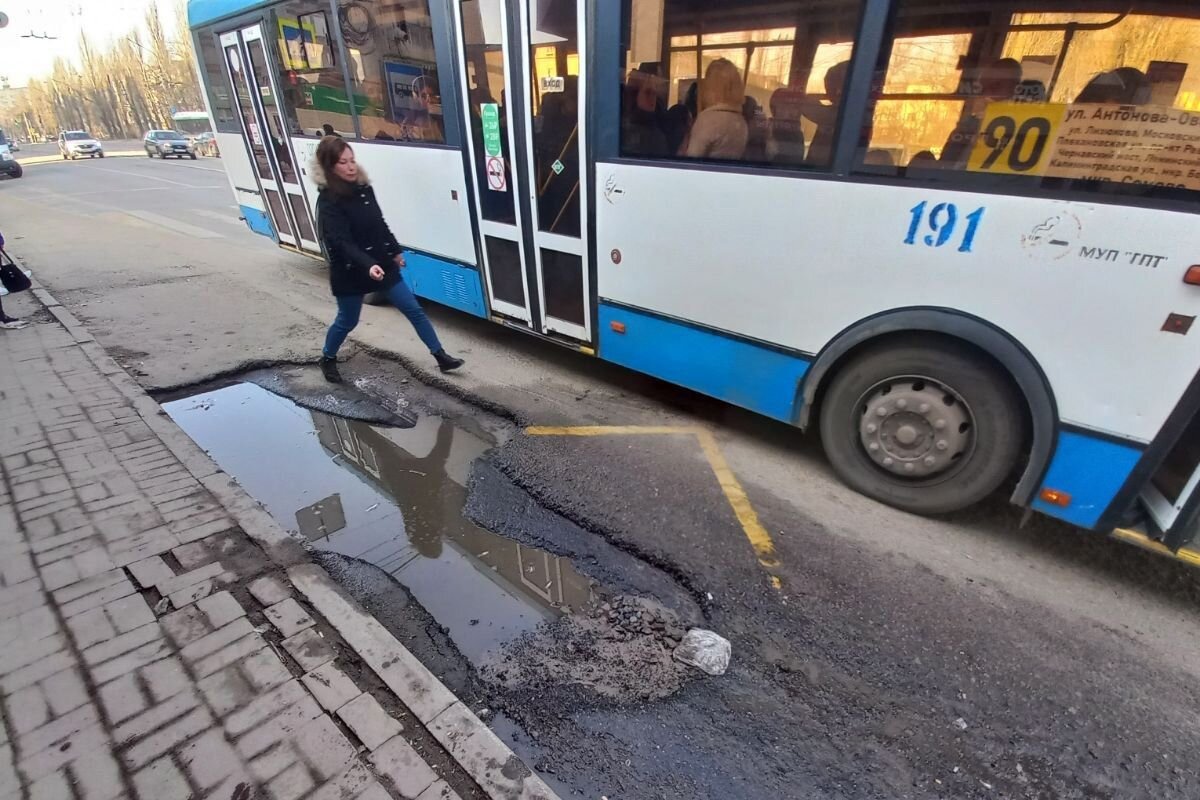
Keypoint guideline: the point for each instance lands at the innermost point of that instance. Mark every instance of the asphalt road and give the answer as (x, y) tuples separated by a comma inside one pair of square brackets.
[(903, 657)]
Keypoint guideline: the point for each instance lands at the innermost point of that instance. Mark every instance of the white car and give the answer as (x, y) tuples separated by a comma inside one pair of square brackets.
[(75, 144)]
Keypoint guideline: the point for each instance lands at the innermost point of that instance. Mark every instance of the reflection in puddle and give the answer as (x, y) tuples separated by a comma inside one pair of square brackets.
[(391, 497)]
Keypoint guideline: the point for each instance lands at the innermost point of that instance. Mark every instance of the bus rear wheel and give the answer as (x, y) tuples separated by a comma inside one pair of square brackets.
[(927, 426)]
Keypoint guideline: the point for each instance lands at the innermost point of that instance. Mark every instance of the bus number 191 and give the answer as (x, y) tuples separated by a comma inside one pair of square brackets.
[(942, 222)]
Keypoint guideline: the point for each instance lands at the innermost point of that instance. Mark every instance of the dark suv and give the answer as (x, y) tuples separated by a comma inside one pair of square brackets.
[(168, 143), (8, 162)]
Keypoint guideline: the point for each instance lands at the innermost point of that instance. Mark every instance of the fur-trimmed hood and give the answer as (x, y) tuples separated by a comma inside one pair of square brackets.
[(317, 173)]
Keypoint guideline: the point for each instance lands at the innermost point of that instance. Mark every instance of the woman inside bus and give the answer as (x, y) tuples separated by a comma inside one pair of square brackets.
[(641, 134), (720, 130), (364, 256)]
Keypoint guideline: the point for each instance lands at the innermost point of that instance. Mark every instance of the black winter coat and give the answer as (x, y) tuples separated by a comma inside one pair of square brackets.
[(356, 237)]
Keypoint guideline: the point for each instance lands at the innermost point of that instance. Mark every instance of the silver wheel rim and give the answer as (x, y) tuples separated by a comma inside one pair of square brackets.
[(916, 428)]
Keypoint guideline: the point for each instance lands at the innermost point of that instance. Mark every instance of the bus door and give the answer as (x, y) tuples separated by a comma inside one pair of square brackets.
[(264, 131), (523, 70)]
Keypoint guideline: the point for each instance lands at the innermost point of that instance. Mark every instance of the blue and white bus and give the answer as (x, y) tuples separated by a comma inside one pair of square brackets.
[(961, 240)]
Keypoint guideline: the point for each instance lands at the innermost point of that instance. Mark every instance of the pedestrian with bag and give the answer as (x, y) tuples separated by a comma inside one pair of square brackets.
[(13, 279), (363, 254)]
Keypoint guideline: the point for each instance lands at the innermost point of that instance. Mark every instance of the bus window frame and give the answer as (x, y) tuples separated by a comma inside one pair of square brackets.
[(874, 28)]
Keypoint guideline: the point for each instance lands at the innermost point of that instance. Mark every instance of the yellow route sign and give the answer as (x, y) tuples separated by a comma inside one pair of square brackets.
[(1148, 145), (1016, 138)]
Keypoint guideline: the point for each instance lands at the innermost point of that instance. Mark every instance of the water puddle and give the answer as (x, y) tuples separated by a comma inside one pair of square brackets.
[(391, 497)]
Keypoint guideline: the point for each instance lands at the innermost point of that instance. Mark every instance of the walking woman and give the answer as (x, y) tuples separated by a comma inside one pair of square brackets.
[(364, 256)]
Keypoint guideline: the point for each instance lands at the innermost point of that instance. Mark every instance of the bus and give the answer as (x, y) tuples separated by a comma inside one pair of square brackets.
[(959, 240), (191, 123)]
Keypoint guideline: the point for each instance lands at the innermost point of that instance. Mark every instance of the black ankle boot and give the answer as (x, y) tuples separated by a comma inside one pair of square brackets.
[(447, 362), (329, 369)]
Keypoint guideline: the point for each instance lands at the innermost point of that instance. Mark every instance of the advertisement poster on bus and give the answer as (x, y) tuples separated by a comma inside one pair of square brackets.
[(414, 99)]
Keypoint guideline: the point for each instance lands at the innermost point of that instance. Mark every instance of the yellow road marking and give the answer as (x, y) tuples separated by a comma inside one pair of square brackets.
[(1186, 555), (760, 540)]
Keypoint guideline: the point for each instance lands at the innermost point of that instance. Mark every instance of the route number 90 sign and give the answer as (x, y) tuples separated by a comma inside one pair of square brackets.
[(1150, 145), (1016, 138)]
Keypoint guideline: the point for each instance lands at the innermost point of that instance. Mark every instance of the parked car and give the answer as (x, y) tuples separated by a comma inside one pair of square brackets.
[(8, 163), (206, 144), (75, 144), (168, 143)]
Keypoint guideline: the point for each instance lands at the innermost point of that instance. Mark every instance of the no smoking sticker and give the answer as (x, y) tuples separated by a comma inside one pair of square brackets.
[(496, 179)]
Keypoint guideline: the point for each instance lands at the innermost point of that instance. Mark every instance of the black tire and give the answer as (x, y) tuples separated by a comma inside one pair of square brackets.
[(998, 432), (193, 156), (102, 155), (64, 155), (16, 173), (149, 154)]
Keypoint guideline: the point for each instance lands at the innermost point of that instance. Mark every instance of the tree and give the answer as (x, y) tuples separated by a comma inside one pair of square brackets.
[(123, 89)]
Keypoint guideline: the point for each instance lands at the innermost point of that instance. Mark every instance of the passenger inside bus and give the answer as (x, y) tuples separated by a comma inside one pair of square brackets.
[(641, 127), (756, 123), (820, 152), (995, 82), (1123, 86), (720, 130), (785, 144), (680, 117)]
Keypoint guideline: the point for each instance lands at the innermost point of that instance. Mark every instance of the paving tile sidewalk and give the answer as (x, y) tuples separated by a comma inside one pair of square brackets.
[(164, 640)]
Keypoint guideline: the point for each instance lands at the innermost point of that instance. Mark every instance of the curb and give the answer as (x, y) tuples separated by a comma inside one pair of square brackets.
[(482, 755)]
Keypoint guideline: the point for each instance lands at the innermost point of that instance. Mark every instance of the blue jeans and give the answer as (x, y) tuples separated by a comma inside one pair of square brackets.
[(350, 307)]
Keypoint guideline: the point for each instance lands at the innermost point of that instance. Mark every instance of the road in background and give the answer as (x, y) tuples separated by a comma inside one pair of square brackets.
[(899, 653)]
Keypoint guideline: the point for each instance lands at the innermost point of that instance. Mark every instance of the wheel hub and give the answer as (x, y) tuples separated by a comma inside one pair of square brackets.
[(915, 427)]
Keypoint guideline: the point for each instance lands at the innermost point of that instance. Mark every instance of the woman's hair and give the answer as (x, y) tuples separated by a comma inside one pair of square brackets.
[(722, 85), (329, 153)]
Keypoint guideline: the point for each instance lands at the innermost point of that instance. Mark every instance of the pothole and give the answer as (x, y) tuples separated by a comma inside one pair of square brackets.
[(390, 497)]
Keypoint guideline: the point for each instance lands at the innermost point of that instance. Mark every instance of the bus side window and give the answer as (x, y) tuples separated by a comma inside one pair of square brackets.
[(1017, 98), (315, 99), (758, 84), (393, 66)]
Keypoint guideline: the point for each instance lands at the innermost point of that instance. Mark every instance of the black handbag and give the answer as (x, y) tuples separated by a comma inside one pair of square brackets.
[(11, 275)]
